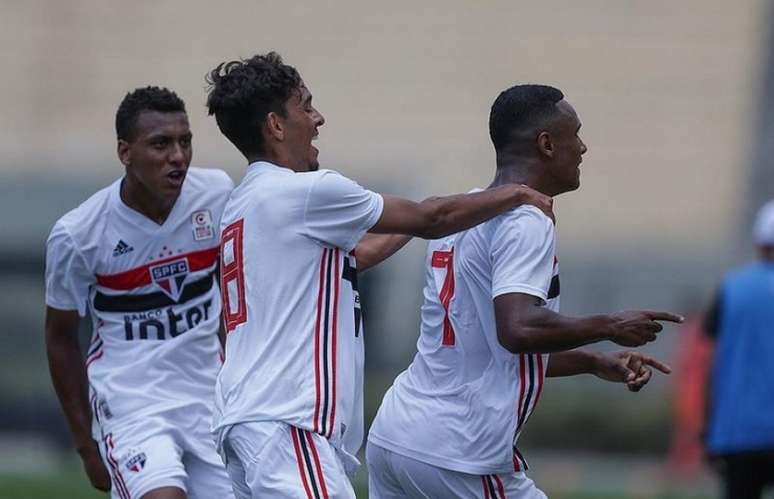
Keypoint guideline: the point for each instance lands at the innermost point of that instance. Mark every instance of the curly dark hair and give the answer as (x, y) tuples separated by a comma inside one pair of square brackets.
[(144, 99), (242, 93), (519, 108)]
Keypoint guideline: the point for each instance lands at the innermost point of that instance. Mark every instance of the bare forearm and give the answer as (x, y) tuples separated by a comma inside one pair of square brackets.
[(68, 375), (571, 363), (456, 213), (375, 248), (544, 331)]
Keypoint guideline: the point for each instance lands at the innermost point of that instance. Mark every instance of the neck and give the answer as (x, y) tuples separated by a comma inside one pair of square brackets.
[(139, 198), (522, 170), (278, 159)]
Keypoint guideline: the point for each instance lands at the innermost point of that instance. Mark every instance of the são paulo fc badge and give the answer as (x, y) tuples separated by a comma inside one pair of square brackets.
[(170, 276), (202, 225), (136, 460)]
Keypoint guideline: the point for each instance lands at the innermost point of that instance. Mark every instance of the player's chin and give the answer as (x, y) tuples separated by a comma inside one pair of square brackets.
[(573, 184)]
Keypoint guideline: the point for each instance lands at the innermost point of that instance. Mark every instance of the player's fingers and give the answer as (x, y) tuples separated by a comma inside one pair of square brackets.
[(663, 316), (641, 380), (664, 368), (656, 326), (627, 375), (634, 361)]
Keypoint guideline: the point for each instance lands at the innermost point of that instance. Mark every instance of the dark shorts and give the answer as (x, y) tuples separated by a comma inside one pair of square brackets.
[(746, 474)]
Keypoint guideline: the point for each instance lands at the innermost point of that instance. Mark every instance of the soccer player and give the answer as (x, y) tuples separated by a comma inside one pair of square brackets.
[(449, 424), (289, 409), (141, 257)]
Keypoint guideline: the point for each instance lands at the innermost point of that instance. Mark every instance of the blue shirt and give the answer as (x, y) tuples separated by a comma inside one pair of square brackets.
[(742, 397)]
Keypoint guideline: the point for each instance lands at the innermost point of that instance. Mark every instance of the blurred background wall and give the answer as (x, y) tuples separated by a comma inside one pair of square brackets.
[(671, 96)]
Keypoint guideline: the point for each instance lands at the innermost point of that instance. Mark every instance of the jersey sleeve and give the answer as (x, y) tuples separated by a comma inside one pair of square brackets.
[(522, 254), (338, 211), (67, 276)]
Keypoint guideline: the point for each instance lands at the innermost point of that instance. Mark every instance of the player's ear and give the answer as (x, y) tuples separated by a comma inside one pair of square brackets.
[(124, 152), (275, 126), (545, 145)]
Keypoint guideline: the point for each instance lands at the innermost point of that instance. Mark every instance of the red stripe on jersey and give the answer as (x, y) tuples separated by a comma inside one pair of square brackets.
[(96, 355), (516, 463), (320, 475), (500, 487), (486, 487), (141, 276), (539, 380), (317, 343), (121, 488), (522, 383), (336, 279), (299, 461)]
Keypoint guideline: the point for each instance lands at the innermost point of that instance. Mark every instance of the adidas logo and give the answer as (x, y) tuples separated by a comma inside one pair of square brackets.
[(121, 248)]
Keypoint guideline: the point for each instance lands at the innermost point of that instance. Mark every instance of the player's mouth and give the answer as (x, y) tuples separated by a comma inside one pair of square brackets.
[(175, 178), (314, 138)]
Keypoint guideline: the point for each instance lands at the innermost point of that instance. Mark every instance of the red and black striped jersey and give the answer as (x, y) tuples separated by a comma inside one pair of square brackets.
[(294, 348), (464, 400), (152, 294)]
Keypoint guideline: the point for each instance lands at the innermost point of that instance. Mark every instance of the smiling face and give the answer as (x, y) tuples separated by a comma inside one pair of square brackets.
[(158, 154), (300, 129), (567, 149)]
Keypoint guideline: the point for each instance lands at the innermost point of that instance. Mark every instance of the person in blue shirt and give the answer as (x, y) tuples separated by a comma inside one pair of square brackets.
[(740, 425)]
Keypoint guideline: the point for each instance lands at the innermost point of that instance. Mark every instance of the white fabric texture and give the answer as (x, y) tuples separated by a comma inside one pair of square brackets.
[(272, 459), (393, 476), (464, 399), (294, 350)]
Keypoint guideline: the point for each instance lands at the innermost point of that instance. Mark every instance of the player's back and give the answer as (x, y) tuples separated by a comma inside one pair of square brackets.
[(464, 396), (294, 351)]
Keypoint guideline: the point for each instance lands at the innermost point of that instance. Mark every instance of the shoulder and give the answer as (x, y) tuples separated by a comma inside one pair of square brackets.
[(329, 185), (525, 219), (327, 178), (209, 179), (81, 223), (744, 274)]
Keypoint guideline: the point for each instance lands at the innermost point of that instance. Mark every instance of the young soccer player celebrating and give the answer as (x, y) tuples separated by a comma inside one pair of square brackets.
[(289, 417), (491, 330), (141, 257)]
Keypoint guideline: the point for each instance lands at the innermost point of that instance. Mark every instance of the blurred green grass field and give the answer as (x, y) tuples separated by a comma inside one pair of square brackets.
[(72, 485)]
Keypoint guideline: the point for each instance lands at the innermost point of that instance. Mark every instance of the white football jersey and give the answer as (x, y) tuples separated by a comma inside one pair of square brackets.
[(153, 297), (464, 399), (294, 348)]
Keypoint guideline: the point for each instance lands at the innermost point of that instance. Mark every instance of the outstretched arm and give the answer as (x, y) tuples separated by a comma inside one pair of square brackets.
[(68, 374), (375, 248), (632, 368), (437, 217), (523, 326)]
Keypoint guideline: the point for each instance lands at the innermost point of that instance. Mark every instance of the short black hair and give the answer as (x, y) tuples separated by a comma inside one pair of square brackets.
[(519, 108), (149, 98), (243, 92)]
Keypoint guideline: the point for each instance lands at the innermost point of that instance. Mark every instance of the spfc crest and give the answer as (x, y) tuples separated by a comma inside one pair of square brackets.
[(170, 277), (136, 462)]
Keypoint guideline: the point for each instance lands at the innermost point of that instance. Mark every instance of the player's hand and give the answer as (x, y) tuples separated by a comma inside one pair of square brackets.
[(637, 327), (95, 468), (632, 368), (528, 195)]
